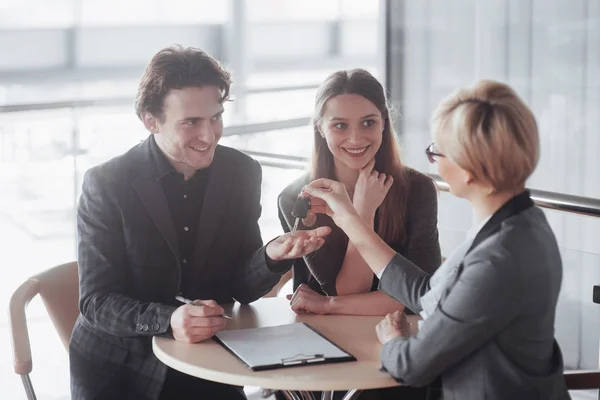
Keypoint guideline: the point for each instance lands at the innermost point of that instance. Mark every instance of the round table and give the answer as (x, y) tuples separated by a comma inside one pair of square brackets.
[(355, 334)]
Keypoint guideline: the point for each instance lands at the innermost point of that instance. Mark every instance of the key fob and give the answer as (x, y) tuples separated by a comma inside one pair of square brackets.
[(301, 207)]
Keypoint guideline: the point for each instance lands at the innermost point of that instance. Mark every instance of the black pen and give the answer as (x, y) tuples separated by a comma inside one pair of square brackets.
[(188, 301)]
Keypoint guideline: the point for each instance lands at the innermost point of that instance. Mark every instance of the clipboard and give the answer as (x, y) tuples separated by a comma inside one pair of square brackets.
[(281, 346)]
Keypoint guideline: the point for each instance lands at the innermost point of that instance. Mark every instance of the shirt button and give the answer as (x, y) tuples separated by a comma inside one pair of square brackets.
[(145, 328), (139, 327), (185, 228), (185, 196), (185, 260), (156, 327)]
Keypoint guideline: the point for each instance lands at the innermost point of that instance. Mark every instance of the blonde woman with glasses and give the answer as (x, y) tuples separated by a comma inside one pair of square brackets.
[(489, 310)]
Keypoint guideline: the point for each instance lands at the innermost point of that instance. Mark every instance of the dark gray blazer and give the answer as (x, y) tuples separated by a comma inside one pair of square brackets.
[(129, 265), (492, 335)]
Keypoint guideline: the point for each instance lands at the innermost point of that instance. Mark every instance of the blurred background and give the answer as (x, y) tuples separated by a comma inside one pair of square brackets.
[(69, 71)]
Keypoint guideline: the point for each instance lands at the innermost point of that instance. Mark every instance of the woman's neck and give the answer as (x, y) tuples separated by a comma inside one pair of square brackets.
[(486, 205), (346, 175)]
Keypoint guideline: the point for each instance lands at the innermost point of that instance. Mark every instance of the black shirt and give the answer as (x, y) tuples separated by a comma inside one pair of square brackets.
[(185, 199)]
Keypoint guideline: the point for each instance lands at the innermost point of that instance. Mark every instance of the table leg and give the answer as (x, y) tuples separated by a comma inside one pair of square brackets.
[(328, 395), (307, 395), (352, 394), (291, 395)]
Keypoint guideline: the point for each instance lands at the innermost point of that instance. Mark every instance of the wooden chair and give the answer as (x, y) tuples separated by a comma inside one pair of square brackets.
[(59, 289)]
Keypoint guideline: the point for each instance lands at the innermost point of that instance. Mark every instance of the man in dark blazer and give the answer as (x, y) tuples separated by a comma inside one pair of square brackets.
[(177, 215)]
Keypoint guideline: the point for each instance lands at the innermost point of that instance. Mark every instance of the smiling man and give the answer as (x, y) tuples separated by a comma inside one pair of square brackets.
[(177, 215)]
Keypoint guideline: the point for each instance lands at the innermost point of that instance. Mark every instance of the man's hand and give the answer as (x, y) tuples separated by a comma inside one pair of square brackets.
[(306, 300), (370, 191), (196, 322), (393, 326), (300, 244)]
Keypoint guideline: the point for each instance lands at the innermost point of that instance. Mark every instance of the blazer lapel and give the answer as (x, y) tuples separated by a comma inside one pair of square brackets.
[(511, 208), (153, 198), (213, 207)]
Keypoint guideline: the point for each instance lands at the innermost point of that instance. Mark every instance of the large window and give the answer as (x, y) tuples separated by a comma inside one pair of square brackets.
[(151, 12), (549, 51), (67, 89), (66, 104), (36, 14)]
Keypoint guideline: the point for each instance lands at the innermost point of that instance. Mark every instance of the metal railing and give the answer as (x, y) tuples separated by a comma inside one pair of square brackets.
[(556, 201), (244, 129), (128, 100)]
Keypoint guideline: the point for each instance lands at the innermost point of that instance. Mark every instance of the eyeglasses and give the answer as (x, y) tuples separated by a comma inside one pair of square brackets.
[(432, 153)]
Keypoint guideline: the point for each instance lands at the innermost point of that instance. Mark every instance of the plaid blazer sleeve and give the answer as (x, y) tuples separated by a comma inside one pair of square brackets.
[(103, 269), (254, 277)]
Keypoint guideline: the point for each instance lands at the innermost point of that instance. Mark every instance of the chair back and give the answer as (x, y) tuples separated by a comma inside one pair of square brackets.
[(58, 288)]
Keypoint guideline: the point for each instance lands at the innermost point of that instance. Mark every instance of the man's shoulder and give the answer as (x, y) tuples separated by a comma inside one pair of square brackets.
[(237, 157), (242, 168), (121, 168)]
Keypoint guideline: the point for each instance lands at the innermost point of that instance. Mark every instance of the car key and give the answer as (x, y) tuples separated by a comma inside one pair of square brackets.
[(300, 211)]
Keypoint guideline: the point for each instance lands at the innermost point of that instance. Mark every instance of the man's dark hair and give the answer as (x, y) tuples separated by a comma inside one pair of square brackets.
[(175, 67)]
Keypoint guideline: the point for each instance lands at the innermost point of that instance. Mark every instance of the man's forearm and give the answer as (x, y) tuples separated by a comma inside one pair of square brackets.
[(124, 316), (255, 277)]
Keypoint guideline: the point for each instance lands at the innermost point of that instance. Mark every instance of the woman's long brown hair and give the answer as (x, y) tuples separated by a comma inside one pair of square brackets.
[(391, 225)]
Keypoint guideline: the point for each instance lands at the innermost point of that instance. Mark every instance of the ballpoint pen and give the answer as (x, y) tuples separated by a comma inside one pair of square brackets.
[(188, 301)]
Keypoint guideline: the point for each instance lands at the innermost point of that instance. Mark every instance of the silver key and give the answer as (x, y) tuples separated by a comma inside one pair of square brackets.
[(299, 211), (295, 228)]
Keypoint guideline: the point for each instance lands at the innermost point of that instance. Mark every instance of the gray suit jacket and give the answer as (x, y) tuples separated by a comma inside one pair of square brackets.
[(492, 335), (130, 266)]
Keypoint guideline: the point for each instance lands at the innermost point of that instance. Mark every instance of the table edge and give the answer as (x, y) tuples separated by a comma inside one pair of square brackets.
[(263, 382)]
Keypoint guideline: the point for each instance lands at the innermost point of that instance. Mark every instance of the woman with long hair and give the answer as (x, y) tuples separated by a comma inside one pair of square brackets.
[(354, 143)]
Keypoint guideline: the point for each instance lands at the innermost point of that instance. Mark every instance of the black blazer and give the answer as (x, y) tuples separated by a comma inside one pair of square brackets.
[(129, 266)]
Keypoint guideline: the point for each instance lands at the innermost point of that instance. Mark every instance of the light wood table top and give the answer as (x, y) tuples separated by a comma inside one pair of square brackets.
[(355, 334)]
